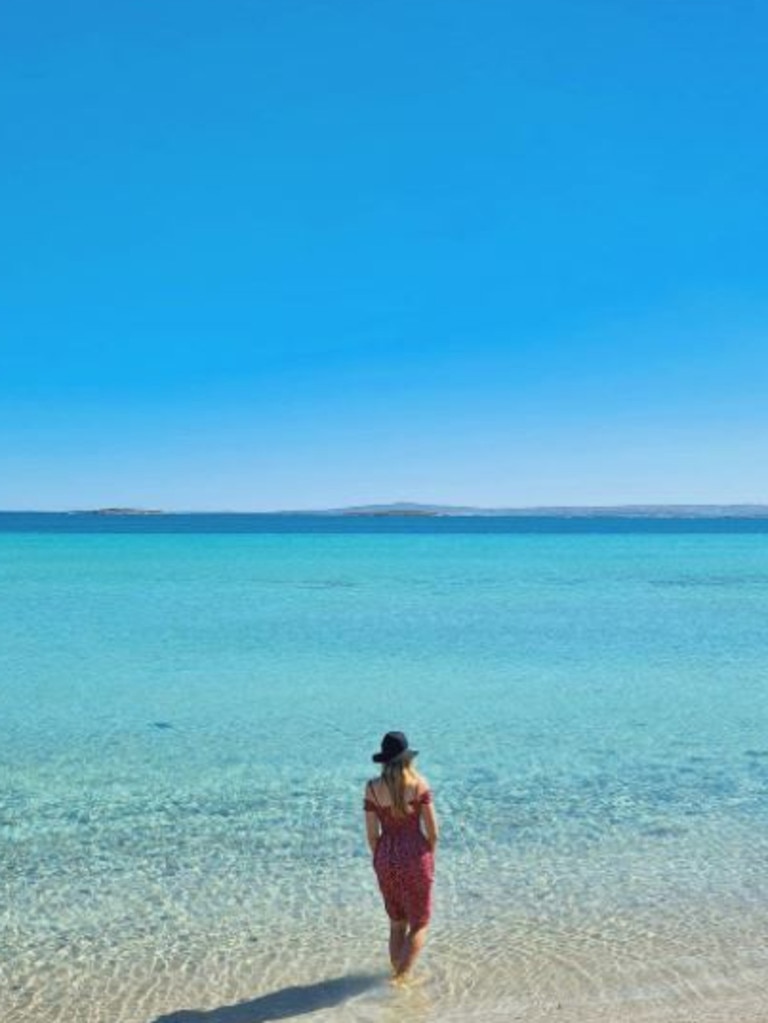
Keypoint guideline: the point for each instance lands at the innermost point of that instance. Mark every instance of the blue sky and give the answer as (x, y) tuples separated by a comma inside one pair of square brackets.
[(264, 255)]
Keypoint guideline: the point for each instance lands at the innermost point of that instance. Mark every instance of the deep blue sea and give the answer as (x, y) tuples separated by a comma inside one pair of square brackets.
[(189, 704)]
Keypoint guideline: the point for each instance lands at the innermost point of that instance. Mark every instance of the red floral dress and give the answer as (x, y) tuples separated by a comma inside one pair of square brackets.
[(403, 861)]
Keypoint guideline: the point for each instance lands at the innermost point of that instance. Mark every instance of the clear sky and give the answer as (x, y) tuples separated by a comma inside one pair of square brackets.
[(267, 254)]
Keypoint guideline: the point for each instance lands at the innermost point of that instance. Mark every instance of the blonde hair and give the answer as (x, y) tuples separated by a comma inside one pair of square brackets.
[(397, 775)]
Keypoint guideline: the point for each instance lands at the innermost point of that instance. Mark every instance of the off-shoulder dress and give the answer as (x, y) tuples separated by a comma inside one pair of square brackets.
[(403, 860)]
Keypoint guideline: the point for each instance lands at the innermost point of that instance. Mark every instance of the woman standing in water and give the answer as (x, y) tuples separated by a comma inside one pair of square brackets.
[(401, 827)]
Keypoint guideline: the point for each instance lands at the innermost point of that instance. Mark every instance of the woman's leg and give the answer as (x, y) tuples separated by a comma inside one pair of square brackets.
[(413, 944), (397, 932)]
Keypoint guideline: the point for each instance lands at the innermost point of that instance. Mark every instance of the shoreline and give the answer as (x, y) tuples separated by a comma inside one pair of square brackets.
[(226, 981)]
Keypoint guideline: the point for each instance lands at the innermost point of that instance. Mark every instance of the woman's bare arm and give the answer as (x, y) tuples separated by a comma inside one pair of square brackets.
[(431, 829), (371, 824), (428, 816)]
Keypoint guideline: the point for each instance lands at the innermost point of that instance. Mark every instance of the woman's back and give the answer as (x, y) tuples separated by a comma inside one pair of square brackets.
[(393, 820)]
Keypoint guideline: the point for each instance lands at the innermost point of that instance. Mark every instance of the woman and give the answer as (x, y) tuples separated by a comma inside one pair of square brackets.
[(402, 833)]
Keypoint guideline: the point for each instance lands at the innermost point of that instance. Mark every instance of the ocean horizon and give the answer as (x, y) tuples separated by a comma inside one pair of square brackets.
[(393, 521), (189, 708)]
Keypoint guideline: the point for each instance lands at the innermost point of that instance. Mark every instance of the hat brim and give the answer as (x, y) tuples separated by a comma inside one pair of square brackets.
[(406, 754)]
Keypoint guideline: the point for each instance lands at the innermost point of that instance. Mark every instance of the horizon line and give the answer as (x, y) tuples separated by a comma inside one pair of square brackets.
[(403, 507)]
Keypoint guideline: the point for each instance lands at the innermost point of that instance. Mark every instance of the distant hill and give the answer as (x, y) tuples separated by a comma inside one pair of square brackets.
[(121, 511), (412, 509), (645, 511)]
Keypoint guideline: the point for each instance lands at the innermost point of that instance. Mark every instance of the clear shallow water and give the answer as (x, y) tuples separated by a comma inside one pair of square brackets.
[(187, 721)]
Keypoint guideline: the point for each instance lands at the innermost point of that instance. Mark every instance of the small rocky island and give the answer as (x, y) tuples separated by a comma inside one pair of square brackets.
[(123, 511)]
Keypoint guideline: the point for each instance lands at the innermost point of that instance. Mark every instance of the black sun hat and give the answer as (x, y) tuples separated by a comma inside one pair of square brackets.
[(394, 746)]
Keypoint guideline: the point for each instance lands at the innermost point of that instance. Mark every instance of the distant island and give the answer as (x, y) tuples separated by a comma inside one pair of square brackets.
[(408, 509), (639, 511), (384, 512), (121, 511)]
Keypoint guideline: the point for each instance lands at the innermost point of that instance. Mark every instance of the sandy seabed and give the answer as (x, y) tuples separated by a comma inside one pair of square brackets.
[(338, 973)]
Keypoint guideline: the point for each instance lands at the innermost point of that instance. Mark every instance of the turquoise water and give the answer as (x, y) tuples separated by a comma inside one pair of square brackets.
[(187, 723)]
